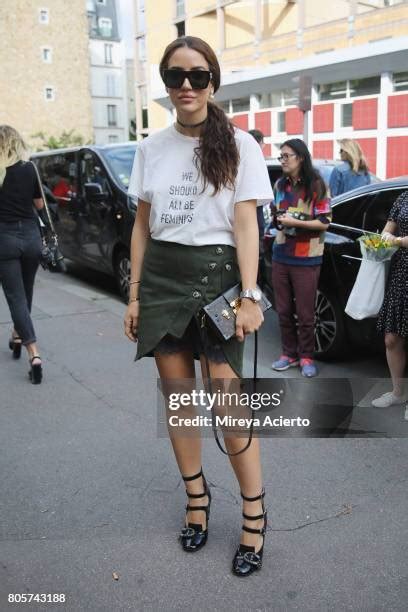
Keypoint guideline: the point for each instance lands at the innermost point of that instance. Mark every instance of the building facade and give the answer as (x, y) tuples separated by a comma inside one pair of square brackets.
[(107, 73), (44, 68), (353, 53)]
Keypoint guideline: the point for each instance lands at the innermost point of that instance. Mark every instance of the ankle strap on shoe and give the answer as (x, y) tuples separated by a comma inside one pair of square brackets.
[(188, 478), (258, 517), (261, 531), (251, 499)]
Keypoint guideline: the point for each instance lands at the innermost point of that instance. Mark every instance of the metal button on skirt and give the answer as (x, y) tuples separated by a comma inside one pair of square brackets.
[(176, 282)]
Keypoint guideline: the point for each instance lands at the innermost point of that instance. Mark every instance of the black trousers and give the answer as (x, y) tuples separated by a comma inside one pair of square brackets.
[(20, 249)]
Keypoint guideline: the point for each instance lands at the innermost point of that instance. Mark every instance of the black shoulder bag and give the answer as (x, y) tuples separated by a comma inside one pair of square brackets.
[(50, 254)]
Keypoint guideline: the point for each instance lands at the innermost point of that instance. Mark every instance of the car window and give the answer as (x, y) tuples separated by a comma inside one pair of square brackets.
[(379, 208), (120, 162), (351, 212), (274, 172), (59, 173), (92, 171)]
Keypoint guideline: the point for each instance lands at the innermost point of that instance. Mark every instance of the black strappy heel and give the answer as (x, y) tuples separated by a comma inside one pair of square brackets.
[(193, 537), (35, 372), (15, 344), (246, 560)]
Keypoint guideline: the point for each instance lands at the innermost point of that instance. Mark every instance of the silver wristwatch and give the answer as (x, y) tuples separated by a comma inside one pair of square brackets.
[(254, 295)]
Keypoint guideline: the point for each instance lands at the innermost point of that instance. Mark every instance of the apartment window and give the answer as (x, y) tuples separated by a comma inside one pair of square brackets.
[(333, 91), (239, 105), (180, 8), (43, 15), (49, 93), (265, 100), (282, 121), (400, 81), (105, 26), (290, 97), (145, 118), (112, 115), (286, 97), (365, 87), (113, 138), (225, 106), (181, 28), (141, 48), (110, 85), (46, 55), (346, 115), (108, 54)]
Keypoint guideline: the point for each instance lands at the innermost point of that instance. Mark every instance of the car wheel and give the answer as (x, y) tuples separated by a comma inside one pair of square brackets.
[(330, 339), (122, 273)]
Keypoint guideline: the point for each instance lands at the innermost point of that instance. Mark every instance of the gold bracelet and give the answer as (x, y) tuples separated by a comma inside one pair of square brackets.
[(398, 240), (133, 282), (134, 300)]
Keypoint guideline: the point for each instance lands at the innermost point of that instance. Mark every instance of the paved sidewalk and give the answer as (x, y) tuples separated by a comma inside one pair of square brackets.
[(87, 489)]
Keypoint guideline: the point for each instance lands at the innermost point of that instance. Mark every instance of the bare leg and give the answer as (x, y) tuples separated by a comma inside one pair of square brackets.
[(396, 359), (180, 366), (32, 350), (247, 465)]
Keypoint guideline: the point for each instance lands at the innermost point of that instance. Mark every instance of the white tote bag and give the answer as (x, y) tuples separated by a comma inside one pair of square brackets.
[(367, 295)]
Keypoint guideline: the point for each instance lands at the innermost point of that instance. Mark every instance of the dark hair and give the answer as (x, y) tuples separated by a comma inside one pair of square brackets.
[(217, 156), (257, 134), (311, 178)]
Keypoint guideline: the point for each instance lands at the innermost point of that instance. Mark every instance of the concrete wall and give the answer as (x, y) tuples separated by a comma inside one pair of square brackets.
[(24, 75)]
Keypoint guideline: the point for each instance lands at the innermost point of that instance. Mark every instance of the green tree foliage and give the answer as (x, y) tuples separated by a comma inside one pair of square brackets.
[(65, 139)]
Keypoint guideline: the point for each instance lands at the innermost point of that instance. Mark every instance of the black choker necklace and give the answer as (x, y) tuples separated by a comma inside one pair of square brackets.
[(191, 125)]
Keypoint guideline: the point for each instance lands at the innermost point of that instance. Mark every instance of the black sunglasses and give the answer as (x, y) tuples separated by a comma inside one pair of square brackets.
[(174, 78)]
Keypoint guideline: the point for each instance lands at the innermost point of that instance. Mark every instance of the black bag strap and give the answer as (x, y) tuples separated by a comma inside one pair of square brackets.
[(47, 210), (202, 331)]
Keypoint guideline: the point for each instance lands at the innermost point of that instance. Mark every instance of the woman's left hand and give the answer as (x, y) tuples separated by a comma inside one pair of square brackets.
[(288, 221), (249, 319)]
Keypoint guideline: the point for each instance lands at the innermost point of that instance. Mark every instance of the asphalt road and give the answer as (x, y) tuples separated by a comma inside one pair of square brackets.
[(88, 491)]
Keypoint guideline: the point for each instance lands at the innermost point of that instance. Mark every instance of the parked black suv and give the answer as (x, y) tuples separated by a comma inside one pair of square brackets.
[(363, 209), (93, 213)]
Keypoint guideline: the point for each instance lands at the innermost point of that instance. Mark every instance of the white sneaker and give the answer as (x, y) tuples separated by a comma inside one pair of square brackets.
[(387, 399)]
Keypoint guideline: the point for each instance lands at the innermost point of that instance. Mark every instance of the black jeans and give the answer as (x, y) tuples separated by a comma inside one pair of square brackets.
[(20, 249)]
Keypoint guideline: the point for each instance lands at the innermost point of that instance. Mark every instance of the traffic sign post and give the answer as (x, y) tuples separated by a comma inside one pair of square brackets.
[(305, 103)]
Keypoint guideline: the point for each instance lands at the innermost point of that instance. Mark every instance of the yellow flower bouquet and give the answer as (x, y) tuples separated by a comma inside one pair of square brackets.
[(376, 248)]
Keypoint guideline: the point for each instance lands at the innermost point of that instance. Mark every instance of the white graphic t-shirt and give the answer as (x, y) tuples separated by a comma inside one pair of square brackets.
[(164, 175)]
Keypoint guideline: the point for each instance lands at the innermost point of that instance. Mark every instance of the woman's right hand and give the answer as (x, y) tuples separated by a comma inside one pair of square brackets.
[(131, 320)]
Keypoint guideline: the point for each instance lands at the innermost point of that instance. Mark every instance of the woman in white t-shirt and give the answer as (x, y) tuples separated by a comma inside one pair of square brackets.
[(195, 236)]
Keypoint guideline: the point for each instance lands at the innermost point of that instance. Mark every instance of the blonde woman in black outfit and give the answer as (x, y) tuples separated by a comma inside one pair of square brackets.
[(20, 242)]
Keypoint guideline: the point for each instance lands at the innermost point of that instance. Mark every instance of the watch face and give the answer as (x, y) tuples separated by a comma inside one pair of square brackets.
[(257, 295)]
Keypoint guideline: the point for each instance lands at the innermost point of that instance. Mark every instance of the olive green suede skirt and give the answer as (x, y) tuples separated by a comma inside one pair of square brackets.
[(176, 282)]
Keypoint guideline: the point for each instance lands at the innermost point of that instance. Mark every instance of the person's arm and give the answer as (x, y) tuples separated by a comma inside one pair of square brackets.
[(39, 203), (249, 315), (335, 183), (315, 224), (391, 227), (140, 236), (321, 213), (389, 232)]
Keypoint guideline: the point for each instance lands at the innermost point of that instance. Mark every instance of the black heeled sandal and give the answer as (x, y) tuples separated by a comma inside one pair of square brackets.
[(246, 560), (15, 344), (35, 372), (193, 537)]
